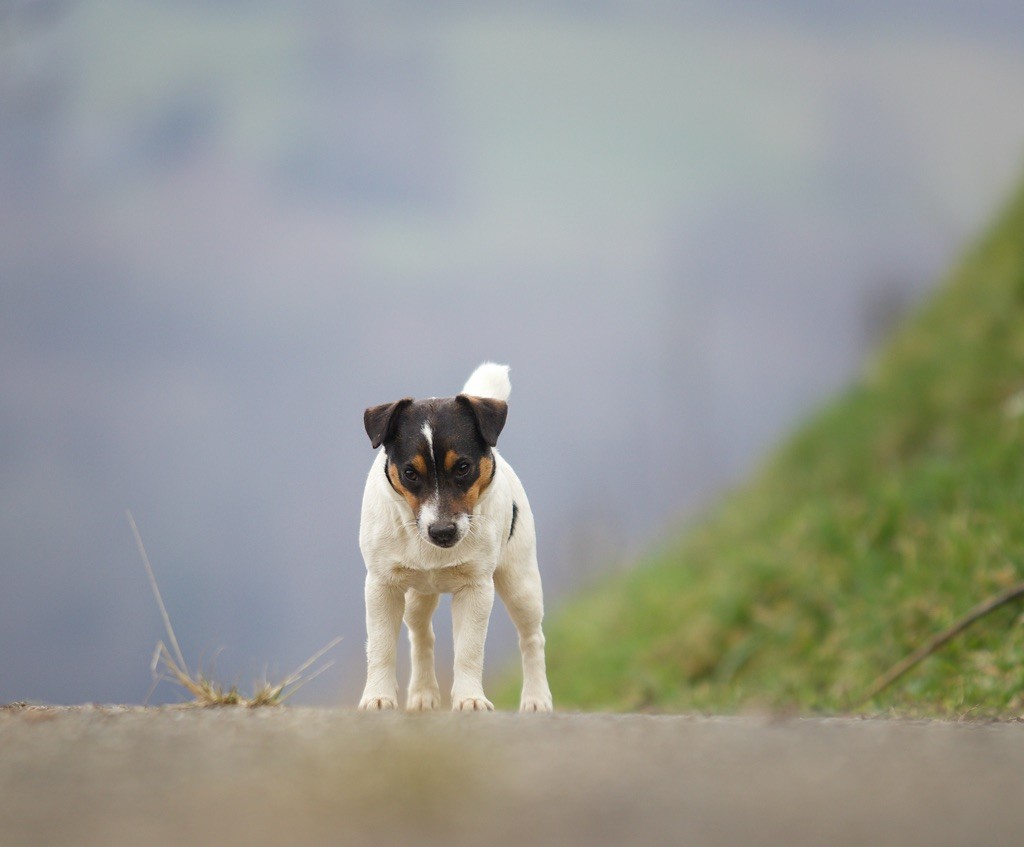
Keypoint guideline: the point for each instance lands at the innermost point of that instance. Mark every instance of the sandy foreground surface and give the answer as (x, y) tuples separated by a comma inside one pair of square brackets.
[(295, 776)]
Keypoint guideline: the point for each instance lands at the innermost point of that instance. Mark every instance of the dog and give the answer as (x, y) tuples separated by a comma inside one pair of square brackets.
[(443, 512)]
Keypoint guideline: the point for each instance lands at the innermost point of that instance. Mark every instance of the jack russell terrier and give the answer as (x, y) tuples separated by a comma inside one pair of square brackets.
[(443, 512)]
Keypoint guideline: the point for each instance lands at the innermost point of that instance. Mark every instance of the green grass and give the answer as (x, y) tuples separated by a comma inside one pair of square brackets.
[(883, 520)]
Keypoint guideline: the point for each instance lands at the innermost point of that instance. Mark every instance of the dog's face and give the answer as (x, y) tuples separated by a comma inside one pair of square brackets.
[(439, 458)]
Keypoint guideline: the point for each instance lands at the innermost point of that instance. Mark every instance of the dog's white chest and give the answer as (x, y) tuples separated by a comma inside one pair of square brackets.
[(435, 580)]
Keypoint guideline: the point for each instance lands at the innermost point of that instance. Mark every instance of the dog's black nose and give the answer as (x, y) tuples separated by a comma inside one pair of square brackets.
[(442, 534)]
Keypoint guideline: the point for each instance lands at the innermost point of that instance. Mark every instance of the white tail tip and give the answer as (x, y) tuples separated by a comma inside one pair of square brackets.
[(489, 380)]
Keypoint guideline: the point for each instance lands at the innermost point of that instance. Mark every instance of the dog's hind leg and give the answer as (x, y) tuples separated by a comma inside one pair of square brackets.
[(521, 593), (424, 693)]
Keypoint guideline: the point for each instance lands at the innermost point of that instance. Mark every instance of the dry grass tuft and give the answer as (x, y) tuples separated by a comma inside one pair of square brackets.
[(205, 691)]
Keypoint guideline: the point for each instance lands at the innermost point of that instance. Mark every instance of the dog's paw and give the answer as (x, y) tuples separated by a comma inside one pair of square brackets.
[(536, 704), (424, 700), (377, 703), (472, 704)]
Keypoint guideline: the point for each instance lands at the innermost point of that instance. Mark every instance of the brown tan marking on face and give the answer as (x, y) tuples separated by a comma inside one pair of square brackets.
[(467, 501), (396, 481), (420, 464), (450, 458)]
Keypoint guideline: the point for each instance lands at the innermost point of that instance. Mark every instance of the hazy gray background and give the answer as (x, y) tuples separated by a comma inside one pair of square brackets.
[(226, 228)]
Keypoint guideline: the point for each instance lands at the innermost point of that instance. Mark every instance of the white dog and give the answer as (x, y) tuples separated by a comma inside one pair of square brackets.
[(443, 512)]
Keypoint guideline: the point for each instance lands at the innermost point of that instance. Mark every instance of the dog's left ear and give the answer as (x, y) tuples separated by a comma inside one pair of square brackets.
[(380, 420), (489, 415)]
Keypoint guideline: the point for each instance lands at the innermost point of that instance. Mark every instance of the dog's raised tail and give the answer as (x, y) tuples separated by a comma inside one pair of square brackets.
[(489, 380)]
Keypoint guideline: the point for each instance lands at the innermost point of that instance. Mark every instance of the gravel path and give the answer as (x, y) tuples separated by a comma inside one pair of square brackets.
[(294, 776)]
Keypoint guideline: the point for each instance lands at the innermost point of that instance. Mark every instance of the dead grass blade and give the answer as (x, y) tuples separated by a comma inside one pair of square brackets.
[(204, 691)]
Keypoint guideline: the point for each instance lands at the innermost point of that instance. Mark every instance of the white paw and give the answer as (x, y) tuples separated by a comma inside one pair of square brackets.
[(531, 703), (424, 700), (377, 702), (536, 704), (472, 704)]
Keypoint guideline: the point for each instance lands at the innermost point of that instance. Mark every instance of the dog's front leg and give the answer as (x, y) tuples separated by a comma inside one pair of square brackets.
[(384, 607), (471, 611)]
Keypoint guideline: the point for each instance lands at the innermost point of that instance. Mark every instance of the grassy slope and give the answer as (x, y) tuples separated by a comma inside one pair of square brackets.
[(886, 518)]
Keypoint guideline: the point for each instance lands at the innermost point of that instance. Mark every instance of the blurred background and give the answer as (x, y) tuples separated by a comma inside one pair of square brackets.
[(226, 228)]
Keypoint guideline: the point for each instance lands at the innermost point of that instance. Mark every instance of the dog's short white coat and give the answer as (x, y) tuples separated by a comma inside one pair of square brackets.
[(405, 576)]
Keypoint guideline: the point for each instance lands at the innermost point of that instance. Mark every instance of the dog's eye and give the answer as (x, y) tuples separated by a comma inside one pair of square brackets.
[(410, 474), (463, 468)]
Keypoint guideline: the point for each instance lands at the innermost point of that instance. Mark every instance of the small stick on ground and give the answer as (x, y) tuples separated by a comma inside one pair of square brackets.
[(933, 644)]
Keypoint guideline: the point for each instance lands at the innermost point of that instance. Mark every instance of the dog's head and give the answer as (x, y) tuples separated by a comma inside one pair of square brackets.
[(439, 458)]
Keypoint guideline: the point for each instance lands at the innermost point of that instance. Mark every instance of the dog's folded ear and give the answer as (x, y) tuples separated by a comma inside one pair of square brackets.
[(489, 415), (380, 421)]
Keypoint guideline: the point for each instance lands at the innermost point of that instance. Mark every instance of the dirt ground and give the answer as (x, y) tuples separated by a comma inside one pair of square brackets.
[(116, 776)]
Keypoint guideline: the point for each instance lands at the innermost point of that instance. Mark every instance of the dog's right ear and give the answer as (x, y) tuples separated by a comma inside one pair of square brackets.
[(380, 420)]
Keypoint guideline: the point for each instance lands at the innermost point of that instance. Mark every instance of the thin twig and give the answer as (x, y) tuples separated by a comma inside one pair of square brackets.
[(935, 642)]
